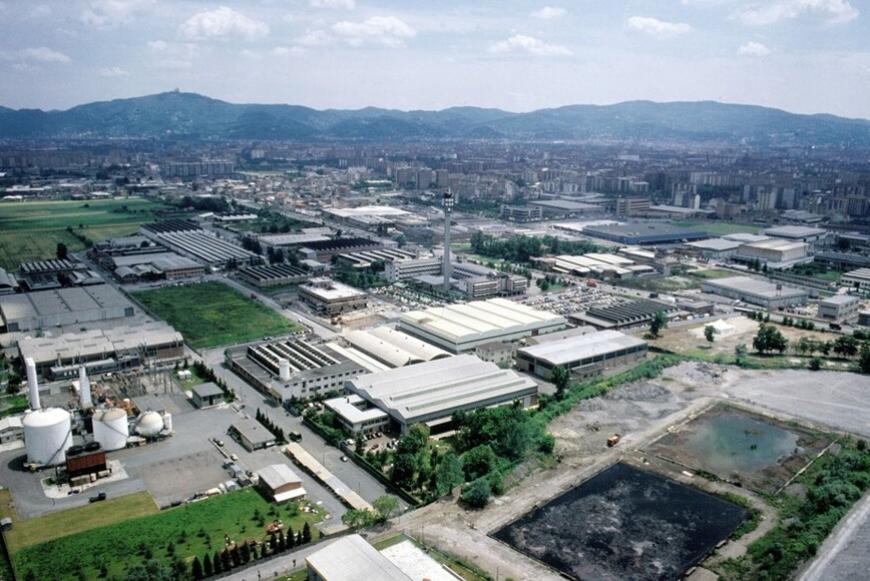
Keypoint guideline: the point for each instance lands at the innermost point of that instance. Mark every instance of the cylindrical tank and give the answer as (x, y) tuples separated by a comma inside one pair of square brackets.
[(85, 388), (32, 384), (167, 421), (149, 424), (111, 429), (47, 436), (284, 369)]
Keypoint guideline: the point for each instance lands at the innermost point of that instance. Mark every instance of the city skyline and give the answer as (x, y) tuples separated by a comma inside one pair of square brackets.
[(421, 56)]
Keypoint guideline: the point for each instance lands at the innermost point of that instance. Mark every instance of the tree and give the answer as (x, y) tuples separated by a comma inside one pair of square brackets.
[(710, 333), (768, 339), (740, 352), (208, 566), (845, 346), (815, 363), (62, 251), (476, 494), (448, 474), (150, 570), (305, 537), (404, 469), (561, 377), (386, 506), (864, 358), (358, 518), (478, 462), (658, 323), (196, 568), (217, 564)]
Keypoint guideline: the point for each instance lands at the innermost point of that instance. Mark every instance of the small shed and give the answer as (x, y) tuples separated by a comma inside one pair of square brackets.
[(207, 395), (252, 435), (280, 483)]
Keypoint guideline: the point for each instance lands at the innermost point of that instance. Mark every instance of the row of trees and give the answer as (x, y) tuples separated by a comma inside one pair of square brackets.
[(205, 372), (385, 507), (276, 430), (521, 248)]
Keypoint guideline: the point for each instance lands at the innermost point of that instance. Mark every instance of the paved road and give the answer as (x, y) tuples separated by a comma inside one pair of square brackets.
[(844, 555), (277, 566)]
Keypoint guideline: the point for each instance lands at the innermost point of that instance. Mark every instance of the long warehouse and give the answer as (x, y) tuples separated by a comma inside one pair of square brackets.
[(458, 328), (756, 291), (585, 355)]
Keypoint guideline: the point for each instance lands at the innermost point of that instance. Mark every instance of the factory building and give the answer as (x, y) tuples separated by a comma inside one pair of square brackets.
[(585, 355), (462, 327), (391, 347), (775, 253), (858, 279), (716, 248), (645, 233), (839, 308), (406, 269), (600, 265), (330, 297), (366, 258), (153, 266), (292, 369), (39, 310), (431, 392), (351, 558), (103, 350), (251, 434), (798, 233), (628, 314), (267, 275), (521, 213), (756, 292), (279, 483), (205, 247), (324, 250), (356, 415)]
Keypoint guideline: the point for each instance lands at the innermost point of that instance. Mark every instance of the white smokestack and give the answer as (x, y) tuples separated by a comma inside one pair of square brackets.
[(32, 383), (284, 369), (85, 388)]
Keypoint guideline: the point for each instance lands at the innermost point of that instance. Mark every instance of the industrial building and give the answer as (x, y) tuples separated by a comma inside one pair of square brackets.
[(462, 327), (600, 265), (50, 274), (431, 392), (858, 279), (564, 208), (324, 250), (839, 308), (366, 258), (645, 233), (627, 314), (251, 434), (103, 350), (205, 247), (266, 275), (755, 291), (351, 558), (717, 248), (279, 483), (330, 297), (153, 266), (292, 241), (356, 415), (207, 394), (409, 268), (292, 369), (585, 355), (521, 213), (65, 306), (798, 233), (775, 253), (391, 347)]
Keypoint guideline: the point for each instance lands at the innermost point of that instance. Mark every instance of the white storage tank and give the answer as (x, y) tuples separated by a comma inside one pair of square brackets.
[(111, 429), (47, 436), (167, 421), (149, 424)]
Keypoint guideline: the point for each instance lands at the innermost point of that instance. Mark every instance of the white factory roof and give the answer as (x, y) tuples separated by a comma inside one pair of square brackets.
[(840, 300), (439, 387), (794, 231), (777, 244), (277, 476), (745, 237), (61, 302), (347, 407), (366, 211), (351, 558), (719, 244), (480, 319), (328, 290), (859, 273), (365, 361), (98, 341), (754, 286), (417, 564), (581, 347), (393, 347), (291, 239)]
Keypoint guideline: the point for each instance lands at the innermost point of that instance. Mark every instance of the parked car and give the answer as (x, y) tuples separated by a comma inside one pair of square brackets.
[(99, 497)]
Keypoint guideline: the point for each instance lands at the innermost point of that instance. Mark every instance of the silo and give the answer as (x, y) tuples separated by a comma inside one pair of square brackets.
[(85, 389), (47, 436), (167, 421), (284, 369), (32, 383), (111, 428), (149, 424)]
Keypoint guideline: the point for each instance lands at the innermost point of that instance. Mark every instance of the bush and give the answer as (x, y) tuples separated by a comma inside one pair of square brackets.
[(476, 494)]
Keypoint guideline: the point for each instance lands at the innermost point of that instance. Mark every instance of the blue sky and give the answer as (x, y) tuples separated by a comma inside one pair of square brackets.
[(801, 55)]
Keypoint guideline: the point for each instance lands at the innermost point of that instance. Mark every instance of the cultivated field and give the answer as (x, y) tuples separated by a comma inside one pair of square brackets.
[(192, 530), (213, 314), (32, 230)]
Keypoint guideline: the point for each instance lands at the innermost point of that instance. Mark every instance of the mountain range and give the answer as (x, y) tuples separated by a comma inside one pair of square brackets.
[(192, 116)]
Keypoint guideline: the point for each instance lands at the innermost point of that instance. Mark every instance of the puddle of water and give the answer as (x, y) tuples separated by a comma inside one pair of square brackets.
[(734, 443)]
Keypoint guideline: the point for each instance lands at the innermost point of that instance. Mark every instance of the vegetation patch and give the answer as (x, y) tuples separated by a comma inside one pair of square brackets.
[(212, 314)]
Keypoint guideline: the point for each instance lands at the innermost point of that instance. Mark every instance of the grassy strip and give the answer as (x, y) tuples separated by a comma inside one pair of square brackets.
[(191, 530), (13, 405), (212, 314), (832, 484)]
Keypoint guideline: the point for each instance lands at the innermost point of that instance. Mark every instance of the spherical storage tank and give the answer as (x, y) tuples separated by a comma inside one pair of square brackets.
[(47, 436), (111, 429), (149, 424)]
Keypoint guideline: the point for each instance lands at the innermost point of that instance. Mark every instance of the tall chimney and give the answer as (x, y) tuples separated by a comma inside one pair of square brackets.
[(448, 210), (85, 389), (32, 383), (284, 369)]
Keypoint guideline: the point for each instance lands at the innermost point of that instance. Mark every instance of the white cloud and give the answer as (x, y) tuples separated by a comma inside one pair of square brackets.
[(548, 13), (112, 13), (830, 11), (43, 54), (333, 4), (753, 48), (385, 30), (657, 28), (114, 72), (287, 51), (173, 64), (158, 45), (223, 22), (529, 45), (314, 38)]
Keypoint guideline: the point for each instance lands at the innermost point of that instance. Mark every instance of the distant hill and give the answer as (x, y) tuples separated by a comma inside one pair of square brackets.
[(188, 115)]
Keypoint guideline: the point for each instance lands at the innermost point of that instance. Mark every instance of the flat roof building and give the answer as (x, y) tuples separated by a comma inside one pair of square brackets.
[(775, 253), (356, 415), (65, 306), (626, 314), (645, 233), (461, 327), (393, 348), (266, 275), (207, 394), (839, 308), (251, 434), (714, 247), (431, 392), (585, 355), (755, 291), (858, 279), (802, 233), (351, 558), (330, 297)]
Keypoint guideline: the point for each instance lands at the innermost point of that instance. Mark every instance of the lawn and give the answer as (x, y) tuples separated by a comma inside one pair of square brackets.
[(32, 230), (711, 273), (191, 530), (719, 228), (212, 314), (12, 404)]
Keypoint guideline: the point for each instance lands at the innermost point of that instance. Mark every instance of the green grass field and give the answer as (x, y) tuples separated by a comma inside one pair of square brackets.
[(719, 228), (213, 314), (193, 530), (711, 273), (32, 230)]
